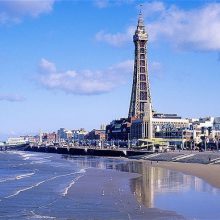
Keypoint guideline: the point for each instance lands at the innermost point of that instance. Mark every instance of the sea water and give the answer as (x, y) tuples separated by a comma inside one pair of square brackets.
[(37, 185)]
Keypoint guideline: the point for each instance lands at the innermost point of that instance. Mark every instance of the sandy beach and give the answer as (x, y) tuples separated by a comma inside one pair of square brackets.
[(209, 173), (108, 192)]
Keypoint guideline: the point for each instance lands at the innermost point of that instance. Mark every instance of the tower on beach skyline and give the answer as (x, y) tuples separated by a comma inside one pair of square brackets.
[(140, 94)]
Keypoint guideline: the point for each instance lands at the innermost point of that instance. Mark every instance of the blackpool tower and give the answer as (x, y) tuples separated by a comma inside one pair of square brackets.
[(140, 95)]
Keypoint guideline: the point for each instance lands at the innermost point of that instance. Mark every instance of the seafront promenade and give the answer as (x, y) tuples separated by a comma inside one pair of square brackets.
[(207, 157), (181, 156), (89, 151)]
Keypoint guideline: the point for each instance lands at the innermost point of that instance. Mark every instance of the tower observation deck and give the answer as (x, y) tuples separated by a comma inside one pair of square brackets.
[(140, 94)]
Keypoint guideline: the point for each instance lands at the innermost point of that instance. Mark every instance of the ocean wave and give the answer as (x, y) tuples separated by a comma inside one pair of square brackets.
[(36, 158), (65, 192), (17, 177), (41, 182), (36, 216)]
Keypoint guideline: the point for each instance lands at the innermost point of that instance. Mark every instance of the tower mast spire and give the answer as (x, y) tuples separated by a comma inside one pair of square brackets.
[(141, 87)]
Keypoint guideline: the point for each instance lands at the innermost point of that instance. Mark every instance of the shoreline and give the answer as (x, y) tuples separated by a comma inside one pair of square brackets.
[(113, 198), (207, 172)]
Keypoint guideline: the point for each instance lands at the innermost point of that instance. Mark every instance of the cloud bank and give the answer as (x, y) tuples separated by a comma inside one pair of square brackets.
[(14, 11), (85, 82), (196, 29)]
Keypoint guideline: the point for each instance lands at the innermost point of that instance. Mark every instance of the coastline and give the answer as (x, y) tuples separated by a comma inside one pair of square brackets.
[(136, 189), (207, 172), (110, 195)]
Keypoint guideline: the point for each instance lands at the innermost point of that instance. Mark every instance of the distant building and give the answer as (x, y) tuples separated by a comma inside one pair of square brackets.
[(16, 141), (69, 135), (79, 134), (167, 126), (31, 139), (103, 127), (96, 135), (216, 124), (49, 137), (64, 135), (119, 129), (61, 134)]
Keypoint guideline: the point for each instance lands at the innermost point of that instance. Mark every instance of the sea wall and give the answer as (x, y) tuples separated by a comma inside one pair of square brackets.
[(87, 151)]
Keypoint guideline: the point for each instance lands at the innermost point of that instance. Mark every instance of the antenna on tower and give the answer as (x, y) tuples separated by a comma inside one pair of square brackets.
[(140, 13)]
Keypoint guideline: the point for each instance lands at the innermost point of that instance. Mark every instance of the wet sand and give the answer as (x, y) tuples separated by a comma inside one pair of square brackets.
[(106, 194), (207, 172)]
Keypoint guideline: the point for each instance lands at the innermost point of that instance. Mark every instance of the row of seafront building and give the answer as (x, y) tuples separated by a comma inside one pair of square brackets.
[(202, 133)]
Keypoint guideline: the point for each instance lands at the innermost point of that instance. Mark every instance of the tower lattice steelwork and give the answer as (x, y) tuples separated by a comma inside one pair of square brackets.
[(140, 89)]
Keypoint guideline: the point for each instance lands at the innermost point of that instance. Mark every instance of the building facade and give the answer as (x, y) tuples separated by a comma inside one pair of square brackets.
[(96, 135), (118, 129)]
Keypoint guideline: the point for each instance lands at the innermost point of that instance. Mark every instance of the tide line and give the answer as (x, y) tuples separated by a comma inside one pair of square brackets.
[(70, 185), (41, 182)]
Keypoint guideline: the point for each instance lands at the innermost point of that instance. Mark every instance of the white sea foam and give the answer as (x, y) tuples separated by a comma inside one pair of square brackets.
[(70, 185), (25, 189), (22, 176), (18, 177), (35, 157), (41, 182), (36, 216)]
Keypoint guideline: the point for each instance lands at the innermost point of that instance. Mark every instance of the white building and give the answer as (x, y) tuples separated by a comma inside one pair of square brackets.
[(16, 141)]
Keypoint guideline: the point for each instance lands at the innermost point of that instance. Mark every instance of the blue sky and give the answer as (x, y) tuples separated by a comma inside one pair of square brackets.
[(69, 63)]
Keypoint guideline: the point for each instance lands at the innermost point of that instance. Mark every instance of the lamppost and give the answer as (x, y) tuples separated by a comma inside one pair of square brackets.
[(205, 142), (216, 142), (128, 141)]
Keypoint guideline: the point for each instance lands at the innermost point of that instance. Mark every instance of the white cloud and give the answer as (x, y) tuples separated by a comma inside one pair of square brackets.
[(194, 29), (117, 39), (84, 82), (101, 3), (107, 3), (15, 10), (150, 8), (11, 98)]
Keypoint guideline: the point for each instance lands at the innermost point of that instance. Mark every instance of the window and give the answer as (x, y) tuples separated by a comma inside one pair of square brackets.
[(142, 106), (143, 95), (142, 50), (142, 77), (142, 63), (142, 56), (142, 43), (143, 86), (142, 69)]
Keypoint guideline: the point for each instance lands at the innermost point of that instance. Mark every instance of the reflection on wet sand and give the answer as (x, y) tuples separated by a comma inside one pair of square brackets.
[(155, 180), (91, 162)]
